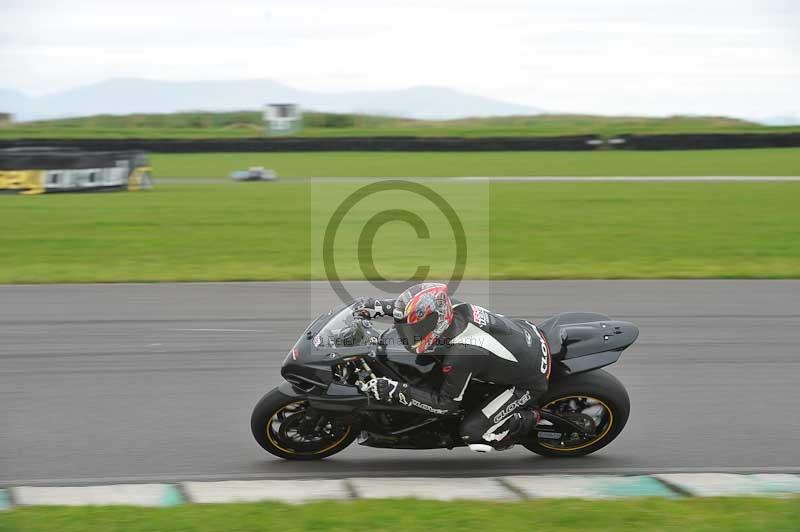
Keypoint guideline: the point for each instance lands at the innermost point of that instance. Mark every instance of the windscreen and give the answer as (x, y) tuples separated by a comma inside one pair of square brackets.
[(339, 331)]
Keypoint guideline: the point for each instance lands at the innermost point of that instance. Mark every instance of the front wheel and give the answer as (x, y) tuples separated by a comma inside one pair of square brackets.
[(595, 401), (287, 427)]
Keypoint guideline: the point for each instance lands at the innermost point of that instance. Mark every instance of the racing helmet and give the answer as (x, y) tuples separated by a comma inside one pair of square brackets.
[(421, 315)]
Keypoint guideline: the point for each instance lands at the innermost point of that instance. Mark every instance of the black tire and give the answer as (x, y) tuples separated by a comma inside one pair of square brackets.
[(261, 421), (597, 384)]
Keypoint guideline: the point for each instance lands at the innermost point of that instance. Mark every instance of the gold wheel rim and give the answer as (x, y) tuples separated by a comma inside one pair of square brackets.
[(593, 440), (291, 451)]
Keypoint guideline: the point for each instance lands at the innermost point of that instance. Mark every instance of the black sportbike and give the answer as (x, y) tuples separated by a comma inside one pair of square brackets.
[(320, 409)]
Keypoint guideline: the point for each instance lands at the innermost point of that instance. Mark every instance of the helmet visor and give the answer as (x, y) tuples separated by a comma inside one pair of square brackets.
[(412, 333)]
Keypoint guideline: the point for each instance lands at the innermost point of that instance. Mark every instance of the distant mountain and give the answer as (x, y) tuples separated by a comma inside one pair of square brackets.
[(132, 95), (13, 102)]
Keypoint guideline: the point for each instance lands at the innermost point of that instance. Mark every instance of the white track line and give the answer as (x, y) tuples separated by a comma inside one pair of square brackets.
[(217, 330), (126, 494), (476, 472), (635, 179), (291, 491), (476, 488)]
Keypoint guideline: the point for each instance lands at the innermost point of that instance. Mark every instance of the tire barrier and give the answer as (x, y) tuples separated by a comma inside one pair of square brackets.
[(710, 141), (47, 170), (304, 144)]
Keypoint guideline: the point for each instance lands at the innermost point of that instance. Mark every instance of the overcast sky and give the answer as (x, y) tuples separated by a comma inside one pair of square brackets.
[(735, 57)]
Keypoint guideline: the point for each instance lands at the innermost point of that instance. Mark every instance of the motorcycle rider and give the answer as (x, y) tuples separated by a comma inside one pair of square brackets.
[(472, 343)]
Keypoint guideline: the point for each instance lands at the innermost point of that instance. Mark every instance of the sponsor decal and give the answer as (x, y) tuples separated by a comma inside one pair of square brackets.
[(428, 408), (544, 366), (528, 337), (480, 316), (512, 406), (422, 406)]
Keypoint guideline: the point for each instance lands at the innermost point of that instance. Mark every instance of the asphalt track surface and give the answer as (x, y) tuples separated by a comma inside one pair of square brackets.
[(156, 382)]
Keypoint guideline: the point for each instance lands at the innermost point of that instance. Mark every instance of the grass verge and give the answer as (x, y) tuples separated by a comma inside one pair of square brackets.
[(755, 162), (731, 514), (251, 124), (263, 231)]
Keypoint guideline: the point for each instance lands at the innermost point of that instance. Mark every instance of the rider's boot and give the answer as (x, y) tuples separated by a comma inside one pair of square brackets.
[(518, 425)]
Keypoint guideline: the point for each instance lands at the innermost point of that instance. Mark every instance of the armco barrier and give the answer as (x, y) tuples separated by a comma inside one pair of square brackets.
[(709, 141), (303, 144)]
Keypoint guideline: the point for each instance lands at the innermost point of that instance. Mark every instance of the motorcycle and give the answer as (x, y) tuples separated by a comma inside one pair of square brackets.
[(320, 409)]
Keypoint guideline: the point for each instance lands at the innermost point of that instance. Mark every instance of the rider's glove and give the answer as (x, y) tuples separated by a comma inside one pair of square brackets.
[(382, 389), (368, 309)]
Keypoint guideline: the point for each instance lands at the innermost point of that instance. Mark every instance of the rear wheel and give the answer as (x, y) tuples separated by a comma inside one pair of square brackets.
[(594, 403), (289, 428)]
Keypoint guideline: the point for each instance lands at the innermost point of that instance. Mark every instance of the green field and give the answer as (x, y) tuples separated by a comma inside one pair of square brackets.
[(730, 514), (263, 231), (250, 124), (757, 162)]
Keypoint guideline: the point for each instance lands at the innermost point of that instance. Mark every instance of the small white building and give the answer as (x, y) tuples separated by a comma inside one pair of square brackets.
[(282, 118)]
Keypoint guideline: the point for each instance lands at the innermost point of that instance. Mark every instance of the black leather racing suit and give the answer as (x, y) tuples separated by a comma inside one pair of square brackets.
[(488, 347)]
